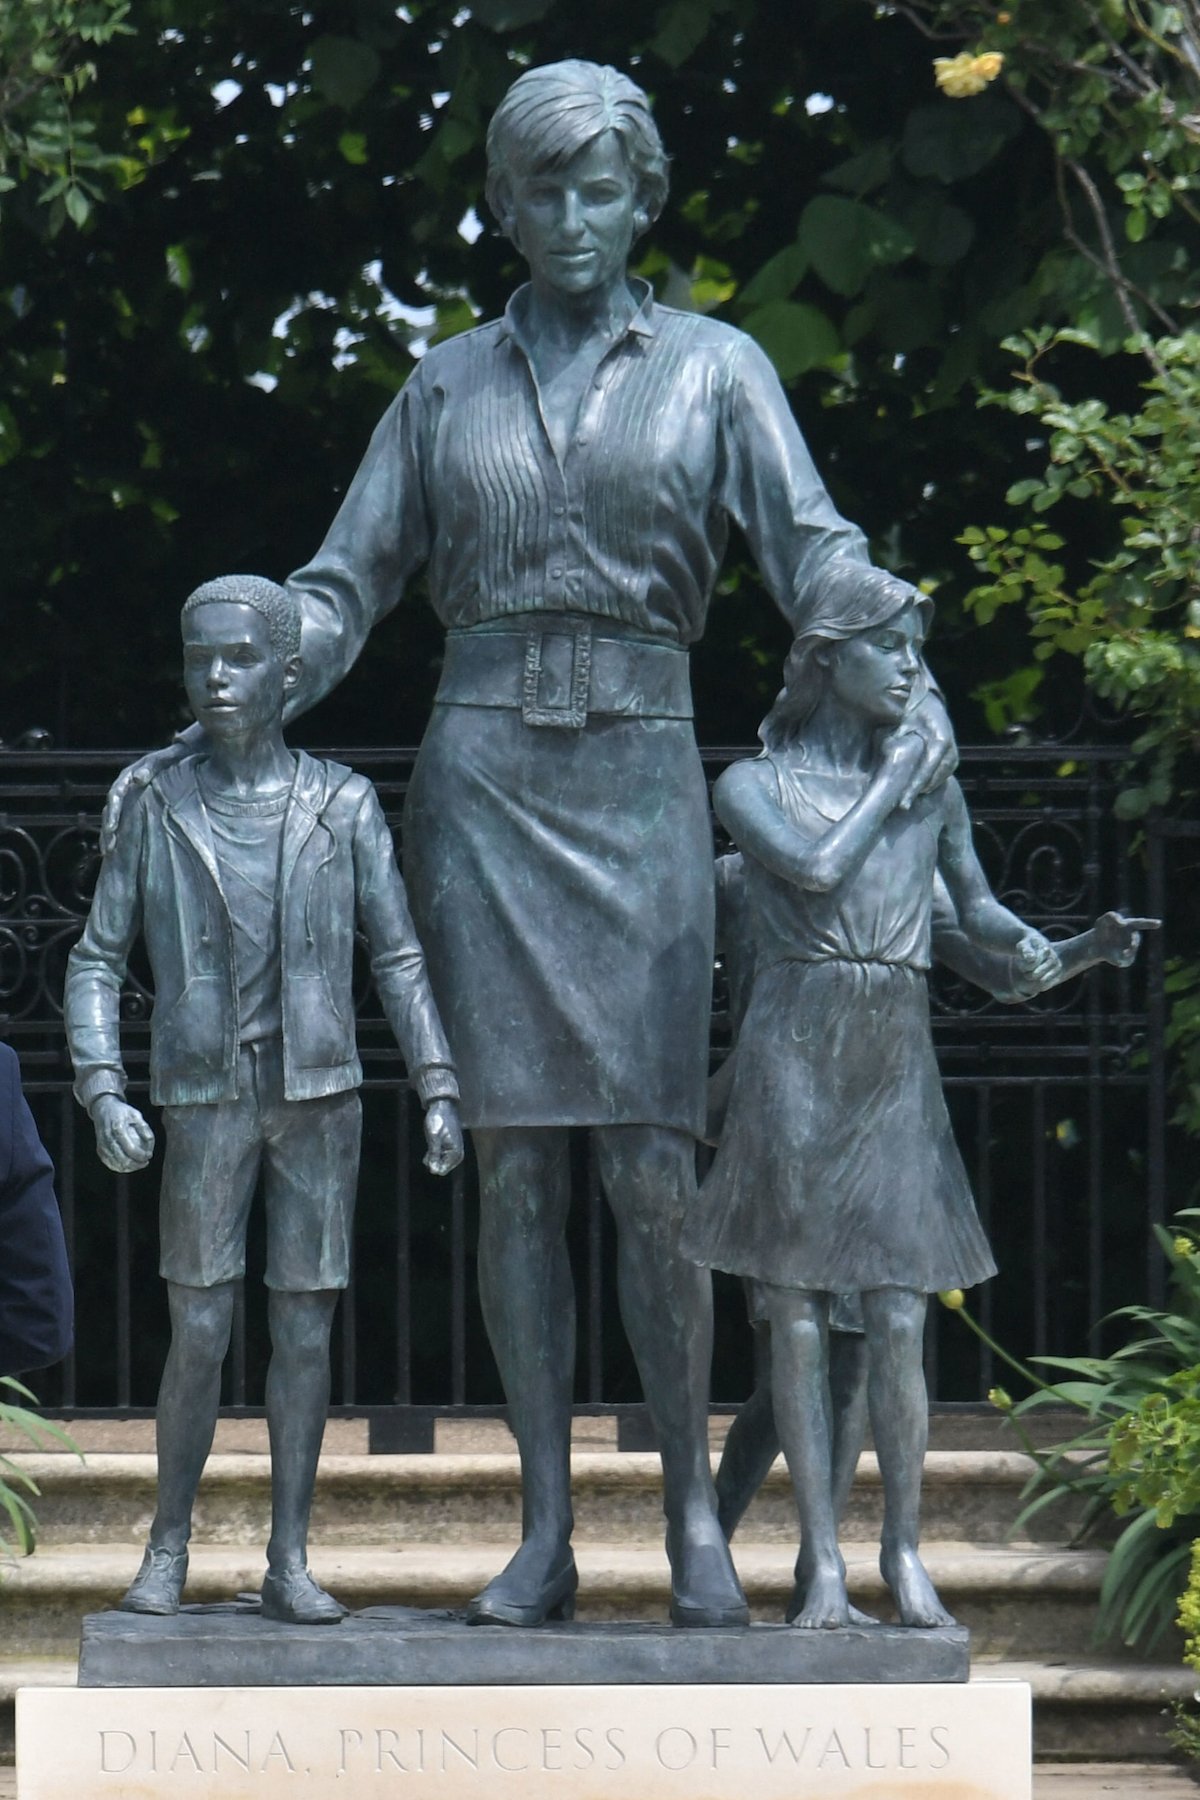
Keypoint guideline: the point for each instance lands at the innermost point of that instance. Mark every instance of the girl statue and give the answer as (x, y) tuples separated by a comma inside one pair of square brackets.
[(837, 1172)]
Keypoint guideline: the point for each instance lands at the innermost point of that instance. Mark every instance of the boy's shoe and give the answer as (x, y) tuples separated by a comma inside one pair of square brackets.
[(294, 1598), (158, 1584)]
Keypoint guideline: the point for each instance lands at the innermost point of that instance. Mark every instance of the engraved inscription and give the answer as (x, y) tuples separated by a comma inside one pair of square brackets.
[(563, 1750)]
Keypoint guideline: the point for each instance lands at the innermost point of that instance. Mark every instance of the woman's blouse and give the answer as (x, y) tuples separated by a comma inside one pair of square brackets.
[(684, 427)]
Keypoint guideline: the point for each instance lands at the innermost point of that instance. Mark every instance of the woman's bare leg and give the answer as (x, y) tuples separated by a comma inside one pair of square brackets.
[(648, 1173), (528, 1302)]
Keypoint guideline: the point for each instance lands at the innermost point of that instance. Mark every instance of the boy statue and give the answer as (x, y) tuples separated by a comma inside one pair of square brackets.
[(244, 868)]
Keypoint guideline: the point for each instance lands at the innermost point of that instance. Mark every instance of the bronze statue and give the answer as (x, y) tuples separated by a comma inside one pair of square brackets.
[(836, 1172), (567, 474), (243, 867)]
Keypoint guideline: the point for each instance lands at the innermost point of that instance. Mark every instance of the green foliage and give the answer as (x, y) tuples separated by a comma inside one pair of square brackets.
[(15, 1482), (190, 382), (46, 63), (1134, 617), (1138, 1454)]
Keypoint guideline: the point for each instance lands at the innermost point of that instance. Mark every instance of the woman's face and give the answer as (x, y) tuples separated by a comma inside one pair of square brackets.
[(873, 672), (574, 223)]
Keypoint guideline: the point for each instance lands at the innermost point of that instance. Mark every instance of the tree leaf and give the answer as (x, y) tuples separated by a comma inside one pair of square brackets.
[(795, 336), (509, 15), (951, 141), (343, 69), (846, 241), (684, 28), (778, 278)]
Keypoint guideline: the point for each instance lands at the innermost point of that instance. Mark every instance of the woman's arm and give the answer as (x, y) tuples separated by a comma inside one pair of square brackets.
[(747, 804), (768, 483), (380, 535)]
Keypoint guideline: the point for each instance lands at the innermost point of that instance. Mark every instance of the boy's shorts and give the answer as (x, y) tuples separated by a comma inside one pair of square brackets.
[(308, 1153)]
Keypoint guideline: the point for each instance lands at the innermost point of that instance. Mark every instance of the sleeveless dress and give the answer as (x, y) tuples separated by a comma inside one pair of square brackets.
[(837, 1168)]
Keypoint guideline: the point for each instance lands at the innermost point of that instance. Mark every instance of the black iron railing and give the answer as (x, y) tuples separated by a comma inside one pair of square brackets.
[(1059, 1105)]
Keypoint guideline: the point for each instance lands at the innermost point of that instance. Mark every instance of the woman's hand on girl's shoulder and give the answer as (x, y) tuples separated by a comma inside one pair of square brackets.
[(902, 760)]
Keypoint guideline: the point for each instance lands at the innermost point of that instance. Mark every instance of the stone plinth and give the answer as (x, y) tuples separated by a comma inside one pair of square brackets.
[(959, 1741)]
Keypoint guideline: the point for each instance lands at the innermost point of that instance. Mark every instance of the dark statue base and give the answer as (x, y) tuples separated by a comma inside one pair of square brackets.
[(399, 1646)]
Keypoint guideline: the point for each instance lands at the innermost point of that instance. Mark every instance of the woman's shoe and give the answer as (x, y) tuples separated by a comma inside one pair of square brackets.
[(503, 1603), (705, 1590)]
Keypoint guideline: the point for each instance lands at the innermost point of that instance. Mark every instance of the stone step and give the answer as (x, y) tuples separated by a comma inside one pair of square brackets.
[(952, 1426), (449, 1498), (1089, 1709), (1018, 1600), (1097, 1708)]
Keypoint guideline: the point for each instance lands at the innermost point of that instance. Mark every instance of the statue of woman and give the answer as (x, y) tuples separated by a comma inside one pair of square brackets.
[(567, 474)]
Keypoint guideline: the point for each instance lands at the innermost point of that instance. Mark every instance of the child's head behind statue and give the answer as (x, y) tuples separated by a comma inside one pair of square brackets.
[(854, 597)]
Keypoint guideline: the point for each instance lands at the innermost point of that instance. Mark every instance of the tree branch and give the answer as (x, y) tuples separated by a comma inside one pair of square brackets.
[(1110, 262)]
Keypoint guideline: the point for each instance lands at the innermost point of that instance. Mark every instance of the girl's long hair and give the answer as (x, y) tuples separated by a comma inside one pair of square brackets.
[(852, 597)]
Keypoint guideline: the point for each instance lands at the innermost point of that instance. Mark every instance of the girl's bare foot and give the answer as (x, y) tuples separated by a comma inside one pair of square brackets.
[(915, 1596), (824, 1606)]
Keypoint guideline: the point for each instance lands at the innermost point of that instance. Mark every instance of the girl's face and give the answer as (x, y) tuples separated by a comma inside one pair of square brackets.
[(873, 672)]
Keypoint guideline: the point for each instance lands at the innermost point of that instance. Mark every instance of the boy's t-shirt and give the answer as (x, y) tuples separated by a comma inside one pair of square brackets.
[(247, 837)]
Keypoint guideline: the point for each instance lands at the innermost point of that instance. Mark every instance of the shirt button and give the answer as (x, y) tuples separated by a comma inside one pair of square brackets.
[(581, 441), (556, 574), (559, 511)]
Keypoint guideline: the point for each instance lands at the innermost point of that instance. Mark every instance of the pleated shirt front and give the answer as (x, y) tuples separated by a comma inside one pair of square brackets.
[(684, 428)]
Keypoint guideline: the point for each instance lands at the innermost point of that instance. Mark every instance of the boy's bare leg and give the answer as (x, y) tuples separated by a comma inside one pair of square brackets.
[(186, 1417), (800, 1385), (751, 1443), (297, 1401), (188, 1398), (899, 1406)]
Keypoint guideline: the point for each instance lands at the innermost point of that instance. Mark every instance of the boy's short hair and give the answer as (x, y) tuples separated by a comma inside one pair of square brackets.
[(276, 604)]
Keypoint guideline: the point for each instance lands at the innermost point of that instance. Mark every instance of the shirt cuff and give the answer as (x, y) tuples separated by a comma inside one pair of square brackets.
[(436, 1081), (90, 1089)]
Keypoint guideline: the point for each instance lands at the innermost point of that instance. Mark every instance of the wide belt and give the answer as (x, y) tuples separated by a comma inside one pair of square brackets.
[(565, 675)]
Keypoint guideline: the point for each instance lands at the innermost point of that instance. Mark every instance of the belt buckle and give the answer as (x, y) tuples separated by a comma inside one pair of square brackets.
[(572, 711)]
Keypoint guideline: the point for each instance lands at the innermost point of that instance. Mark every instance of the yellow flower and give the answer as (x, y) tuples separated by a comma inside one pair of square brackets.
[(963, 75), (1000, 1399), (1183, 1246), (954, 1298)]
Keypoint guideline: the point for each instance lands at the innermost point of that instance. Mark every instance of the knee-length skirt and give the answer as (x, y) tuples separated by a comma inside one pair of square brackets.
[(561, 884)]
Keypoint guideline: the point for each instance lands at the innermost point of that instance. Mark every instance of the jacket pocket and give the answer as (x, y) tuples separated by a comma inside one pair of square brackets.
[(189, 1037), (318, 1034)]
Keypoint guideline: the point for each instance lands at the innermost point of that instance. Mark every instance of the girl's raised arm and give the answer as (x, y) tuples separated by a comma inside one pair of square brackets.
[(746, 801)]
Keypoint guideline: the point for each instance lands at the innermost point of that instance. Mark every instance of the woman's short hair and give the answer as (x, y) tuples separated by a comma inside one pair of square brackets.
[(551, 113), (277, 605), (852, 597)]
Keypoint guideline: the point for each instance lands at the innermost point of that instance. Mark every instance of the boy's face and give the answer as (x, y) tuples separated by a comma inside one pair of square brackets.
[(235, 679)]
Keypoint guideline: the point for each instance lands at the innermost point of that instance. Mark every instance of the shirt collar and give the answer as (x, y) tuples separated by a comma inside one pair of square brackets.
[(641, 324)]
